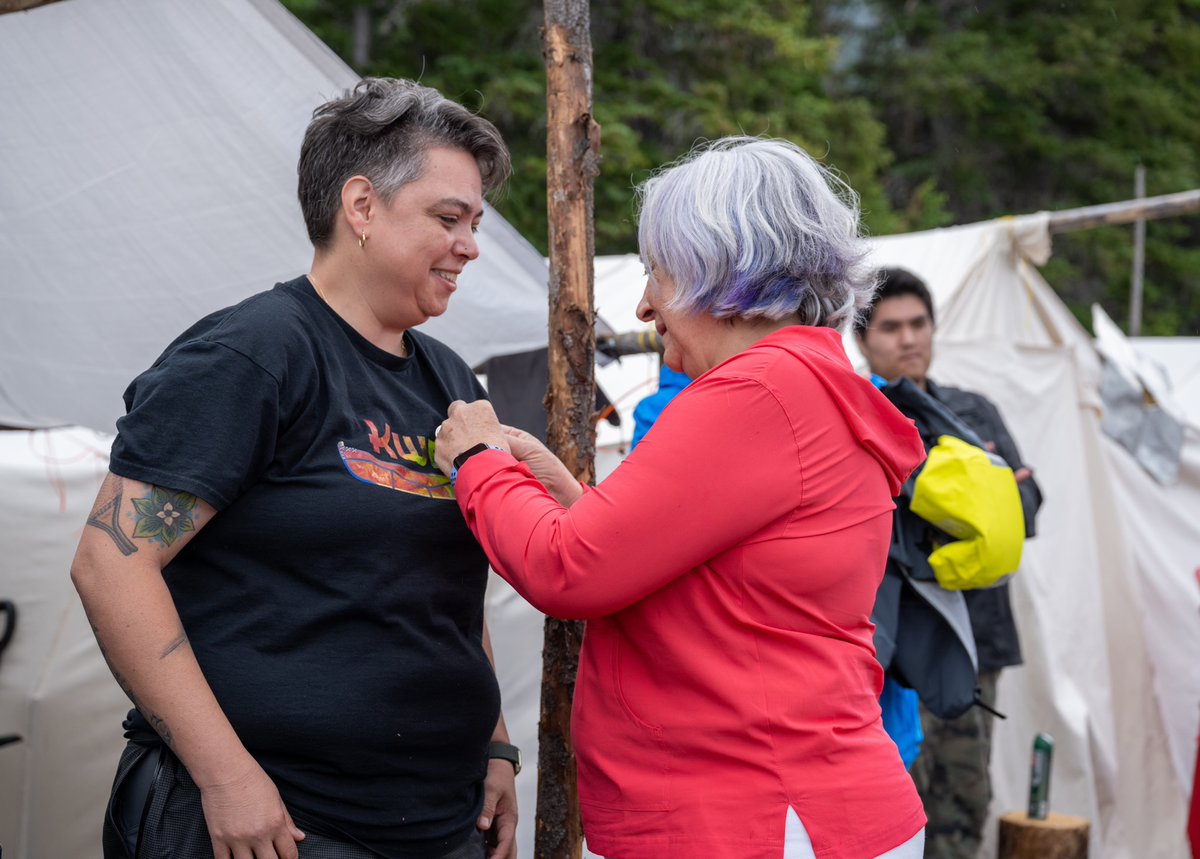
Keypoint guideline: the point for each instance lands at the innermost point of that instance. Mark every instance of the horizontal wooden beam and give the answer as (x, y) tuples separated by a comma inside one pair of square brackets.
[(21, 5), (1126, 212)]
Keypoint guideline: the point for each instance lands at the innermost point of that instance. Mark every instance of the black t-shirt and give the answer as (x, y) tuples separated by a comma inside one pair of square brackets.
[(335, 602)]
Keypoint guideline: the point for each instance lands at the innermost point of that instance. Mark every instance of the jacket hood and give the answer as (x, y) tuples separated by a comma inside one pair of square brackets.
[(877, 424)]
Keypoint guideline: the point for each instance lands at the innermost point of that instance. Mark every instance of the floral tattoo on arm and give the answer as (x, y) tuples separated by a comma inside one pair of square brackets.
[(162, 515)]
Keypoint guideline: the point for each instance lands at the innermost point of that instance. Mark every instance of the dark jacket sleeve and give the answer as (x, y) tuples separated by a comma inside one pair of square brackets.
[(982, 416), (1031, 493), (992, 621)]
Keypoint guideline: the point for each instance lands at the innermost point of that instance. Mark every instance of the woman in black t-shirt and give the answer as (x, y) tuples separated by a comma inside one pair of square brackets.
[(275, 569)]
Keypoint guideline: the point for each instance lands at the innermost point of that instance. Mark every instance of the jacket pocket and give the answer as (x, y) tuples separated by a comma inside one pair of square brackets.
[(132, 794), (624, 760)]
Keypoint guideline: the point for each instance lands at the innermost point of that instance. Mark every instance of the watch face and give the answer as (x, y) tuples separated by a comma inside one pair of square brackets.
[(470, 452)]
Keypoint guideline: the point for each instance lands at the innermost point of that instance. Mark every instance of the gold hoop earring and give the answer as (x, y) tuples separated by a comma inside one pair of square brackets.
[(362, 240)]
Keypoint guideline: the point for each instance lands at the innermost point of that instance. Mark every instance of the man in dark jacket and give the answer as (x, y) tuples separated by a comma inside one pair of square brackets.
[(951, 772)]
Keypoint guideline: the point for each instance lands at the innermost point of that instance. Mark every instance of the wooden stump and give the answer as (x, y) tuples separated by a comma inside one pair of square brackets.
[(1059, 836)]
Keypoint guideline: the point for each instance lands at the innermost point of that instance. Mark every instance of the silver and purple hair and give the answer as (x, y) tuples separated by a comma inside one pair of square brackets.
[(753, 227)]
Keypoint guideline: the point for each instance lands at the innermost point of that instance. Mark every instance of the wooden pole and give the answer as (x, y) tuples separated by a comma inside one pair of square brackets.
[(1139, 257), (21, 5), (360, 31), (572, 163), (1147, 208)]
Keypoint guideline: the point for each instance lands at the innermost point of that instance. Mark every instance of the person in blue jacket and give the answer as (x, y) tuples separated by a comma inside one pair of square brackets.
[(649, 408)]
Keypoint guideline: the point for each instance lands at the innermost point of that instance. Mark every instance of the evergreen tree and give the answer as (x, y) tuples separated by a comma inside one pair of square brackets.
[(667, 73), (1013, 107), (939, 112)]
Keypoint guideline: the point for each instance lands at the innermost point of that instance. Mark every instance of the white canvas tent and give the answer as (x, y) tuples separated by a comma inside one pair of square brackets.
[(55, 691), (1179, 359), (1106, 600), (148, 153)]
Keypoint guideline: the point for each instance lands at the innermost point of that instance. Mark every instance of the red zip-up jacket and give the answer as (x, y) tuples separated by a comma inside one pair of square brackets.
[(727, 570)]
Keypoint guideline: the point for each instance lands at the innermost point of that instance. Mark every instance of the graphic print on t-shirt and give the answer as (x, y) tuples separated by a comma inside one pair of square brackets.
[(395, 472)]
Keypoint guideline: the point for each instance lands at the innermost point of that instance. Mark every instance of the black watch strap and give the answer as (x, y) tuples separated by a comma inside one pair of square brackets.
[(508, 752), (471, 451)]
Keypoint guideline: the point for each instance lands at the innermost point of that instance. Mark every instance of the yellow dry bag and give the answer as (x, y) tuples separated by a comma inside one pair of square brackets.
[(962, 491)]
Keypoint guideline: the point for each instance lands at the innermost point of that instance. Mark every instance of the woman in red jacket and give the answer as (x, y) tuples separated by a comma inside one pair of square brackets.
[(727, 697)]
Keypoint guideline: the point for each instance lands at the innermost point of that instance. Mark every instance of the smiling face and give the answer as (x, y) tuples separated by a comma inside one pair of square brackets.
[(899, 341), (419, 242), (687, 338)]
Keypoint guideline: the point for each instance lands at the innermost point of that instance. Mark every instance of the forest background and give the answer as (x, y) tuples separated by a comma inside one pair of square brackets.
[(936, 113)]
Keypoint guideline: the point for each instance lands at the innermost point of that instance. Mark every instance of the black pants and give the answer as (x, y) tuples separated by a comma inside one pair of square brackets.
[(155, 813)]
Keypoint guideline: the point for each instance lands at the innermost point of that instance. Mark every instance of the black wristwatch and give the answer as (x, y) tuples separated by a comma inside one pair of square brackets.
[(471, 451), (467, 454), (508, 752)]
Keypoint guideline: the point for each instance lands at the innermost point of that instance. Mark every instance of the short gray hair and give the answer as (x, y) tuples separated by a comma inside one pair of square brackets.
[(754, 227), (382, 129)]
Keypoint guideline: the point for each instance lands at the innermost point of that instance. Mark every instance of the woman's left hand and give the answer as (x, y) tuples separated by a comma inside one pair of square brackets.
[(498, 819), (546, 467), (466, 425)]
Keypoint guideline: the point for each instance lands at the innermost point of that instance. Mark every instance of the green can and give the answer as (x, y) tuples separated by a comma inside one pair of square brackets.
[(1039, 776)]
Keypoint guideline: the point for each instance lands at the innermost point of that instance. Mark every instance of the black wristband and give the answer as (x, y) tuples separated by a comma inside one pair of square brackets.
[(471, 451), (508, 752)]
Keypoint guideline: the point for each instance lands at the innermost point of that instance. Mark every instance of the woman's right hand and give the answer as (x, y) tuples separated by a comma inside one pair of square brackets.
[(546, 467), (247, 819)]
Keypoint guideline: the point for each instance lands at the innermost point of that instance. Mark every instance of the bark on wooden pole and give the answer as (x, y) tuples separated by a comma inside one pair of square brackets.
[(21, 5), (572, 156)]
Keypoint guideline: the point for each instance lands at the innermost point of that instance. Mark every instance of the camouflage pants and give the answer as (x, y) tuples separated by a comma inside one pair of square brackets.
[(951, 775)]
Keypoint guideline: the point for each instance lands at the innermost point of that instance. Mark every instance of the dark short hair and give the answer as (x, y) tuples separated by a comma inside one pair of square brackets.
[(382, 129), (894, 282)]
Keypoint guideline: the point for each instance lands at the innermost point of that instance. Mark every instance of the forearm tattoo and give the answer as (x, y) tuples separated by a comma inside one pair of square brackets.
[(157, 722), (180, 641), (116, 673)]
